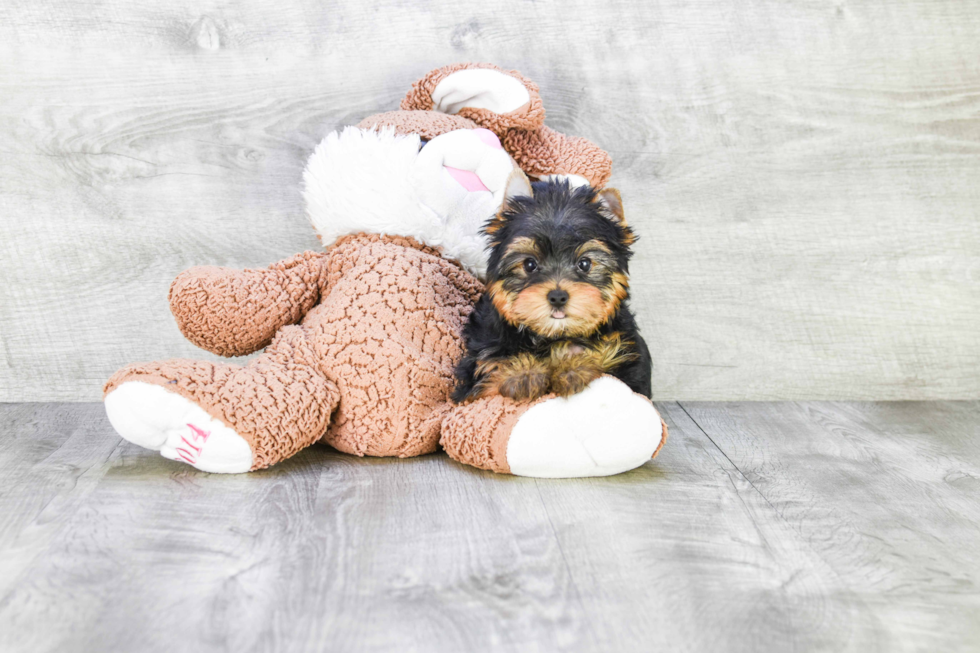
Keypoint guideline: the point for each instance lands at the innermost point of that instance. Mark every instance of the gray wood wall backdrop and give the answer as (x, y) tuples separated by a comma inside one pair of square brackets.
[(804, 175)]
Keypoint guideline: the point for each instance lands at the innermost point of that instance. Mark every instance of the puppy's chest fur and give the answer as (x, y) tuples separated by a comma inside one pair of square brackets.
[(570, 365), (522, 364)]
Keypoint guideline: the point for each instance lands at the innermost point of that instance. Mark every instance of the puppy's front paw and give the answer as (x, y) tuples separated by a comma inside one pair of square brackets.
[(521, 377), (522, 386), (572, 378)]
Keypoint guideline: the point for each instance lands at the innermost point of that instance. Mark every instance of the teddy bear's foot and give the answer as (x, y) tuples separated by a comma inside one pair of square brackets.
[(606, 429), (489, 96), (150, 416)]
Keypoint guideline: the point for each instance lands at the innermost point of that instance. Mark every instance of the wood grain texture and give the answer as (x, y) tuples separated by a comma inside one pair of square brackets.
[(761, 527), (802, 175), (885, 494)]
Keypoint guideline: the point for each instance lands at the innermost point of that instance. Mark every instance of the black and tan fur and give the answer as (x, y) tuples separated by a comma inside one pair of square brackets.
[(552, 244)]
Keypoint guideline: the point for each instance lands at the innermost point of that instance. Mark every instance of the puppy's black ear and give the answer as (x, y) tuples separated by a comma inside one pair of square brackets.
[(611, 205)]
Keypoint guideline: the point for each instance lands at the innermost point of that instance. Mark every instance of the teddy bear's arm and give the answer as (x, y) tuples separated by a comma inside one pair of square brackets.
[(237, 312)]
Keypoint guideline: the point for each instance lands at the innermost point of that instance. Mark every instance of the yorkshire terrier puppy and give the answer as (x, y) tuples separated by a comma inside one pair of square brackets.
[(554, 315)]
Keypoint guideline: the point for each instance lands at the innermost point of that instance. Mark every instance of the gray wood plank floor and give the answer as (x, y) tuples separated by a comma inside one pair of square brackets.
[(761, 527)]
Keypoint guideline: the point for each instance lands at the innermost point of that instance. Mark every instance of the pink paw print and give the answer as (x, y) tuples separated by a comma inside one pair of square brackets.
[(190, 451)]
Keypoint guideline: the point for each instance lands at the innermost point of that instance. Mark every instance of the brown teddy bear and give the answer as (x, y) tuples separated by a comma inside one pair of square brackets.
[(360, 340)]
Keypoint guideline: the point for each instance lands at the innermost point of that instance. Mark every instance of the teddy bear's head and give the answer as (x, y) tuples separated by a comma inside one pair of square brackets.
[(439, 192)]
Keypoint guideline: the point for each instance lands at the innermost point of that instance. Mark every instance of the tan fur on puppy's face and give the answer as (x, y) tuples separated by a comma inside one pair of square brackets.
[(588, 307), (586, 310), (520, 293)]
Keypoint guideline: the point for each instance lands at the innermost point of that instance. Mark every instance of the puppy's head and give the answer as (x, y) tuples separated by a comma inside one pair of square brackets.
[(559, 259)]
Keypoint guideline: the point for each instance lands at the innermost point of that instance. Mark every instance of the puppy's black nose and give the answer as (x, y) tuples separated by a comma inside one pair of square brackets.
[(557, 298)]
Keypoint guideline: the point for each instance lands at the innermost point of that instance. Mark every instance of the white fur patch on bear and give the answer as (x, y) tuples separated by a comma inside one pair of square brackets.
[(359, 180), (149, 416), (606, 429), (479, 88)]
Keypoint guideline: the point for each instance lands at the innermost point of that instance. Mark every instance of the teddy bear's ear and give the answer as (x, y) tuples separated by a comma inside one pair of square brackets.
[(611, 204)]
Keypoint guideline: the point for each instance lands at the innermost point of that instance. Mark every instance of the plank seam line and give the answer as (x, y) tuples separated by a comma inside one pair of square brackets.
[(732, 462), (564, 559), (844, 584)]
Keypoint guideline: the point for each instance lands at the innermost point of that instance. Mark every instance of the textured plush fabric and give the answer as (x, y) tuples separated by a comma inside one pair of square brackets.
[(663, 440), (529, 116), (390, 334), (237, 312), (477, 433), (279, 403), (365, 336), (376, 353), (427, 124), (547, 152), (537, 149)]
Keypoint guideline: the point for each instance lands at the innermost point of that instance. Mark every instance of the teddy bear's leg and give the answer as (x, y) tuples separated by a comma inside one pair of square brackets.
[(226, 418), (491, 97), (545, 153), (148, 415), (507, 103), (605, 429)]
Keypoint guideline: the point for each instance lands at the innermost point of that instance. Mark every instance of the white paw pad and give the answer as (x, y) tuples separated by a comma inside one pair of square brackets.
[(606, 429), (148, 415), (479, 88)]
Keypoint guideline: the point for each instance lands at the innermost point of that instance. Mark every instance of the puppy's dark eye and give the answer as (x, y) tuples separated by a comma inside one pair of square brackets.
[(584, 265), (530, 265)]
